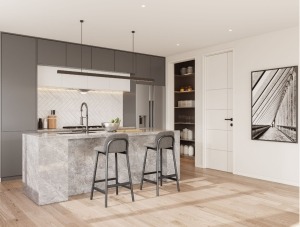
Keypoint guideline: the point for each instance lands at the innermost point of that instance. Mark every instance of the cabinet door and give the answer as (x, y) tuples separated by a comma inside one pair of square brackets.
[(129, 107), (48, 77), (124, 62), (51, 53), (158, 70), (74, 56), (142, 65), (11, 154), (103, 59), (19, 83)]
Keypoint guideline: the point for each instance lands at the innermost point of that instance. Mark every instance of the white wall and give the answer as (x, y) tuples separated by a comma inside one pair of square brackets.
[(272, 161)]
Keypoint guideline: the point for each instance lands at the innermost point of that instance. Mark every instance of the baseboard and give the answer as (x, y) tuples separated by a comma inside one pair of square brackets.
[(275, 180)]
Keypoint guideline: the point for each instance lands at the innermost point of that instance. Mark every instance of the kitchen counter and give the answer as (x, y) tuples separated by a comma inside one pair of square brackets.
[(56, 166)]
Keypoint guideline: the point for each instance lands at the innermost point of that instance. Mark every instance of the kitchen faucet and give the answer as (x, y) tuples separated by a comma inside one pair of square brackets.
[(86, 117)]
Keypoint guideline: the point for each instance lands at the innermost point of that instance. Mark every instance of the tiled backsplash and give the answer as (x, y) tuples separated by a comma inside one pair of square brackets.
[(103, 106)]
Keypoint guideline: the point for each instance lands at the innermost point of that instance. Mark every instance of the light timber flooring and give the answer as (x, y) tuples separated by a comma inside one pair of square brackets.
[(207, 198)]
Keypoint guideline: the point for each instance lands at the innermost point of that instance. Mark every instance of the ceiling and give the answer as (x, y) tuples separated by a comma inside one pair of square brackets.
[(159, 26)]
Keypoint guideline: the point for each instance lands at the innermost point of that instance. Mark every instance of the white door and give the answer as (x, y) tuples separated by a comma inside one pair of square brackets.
[(218, 108)]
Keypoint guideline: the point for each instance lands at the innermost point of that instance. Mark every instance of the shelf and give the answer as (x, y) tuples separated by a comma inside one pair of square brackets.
[(187, 140), (185, 75), (184, 123), (184, 107), (184, 92)]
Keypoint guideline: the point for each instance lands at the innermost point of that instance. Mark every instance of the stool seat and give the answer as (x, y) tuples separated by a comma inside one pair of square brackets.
[(150, 145), (115, 143), (163, 140), (99, 148)]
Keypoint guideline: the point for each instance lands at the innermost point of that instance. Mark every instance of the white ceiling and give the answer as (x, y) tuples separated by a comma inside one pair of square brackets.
[(159, 26)]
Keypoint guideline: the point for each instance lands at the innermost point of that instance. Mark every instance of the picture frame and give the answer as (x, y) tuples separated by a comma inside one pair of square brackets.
[(274, 104)]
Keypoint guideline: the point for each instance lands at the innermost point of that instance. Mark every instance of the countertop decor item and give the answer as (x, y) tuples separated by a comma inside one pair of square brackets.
[(110, 127), (40, 123)]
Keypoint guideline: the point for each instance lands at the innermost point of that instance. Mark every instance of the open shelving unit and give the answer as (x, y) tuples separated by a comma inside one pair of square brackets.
[(184, 116)]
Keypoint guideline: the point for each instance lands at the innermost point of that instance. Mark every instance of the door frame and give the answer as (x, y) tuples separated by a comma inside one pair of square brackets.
[(204, 144)]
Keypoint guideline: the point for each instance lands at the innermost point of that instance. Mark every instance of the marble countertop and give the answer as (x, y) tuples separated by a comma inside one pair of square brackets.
[(93, 134), (74, 129)]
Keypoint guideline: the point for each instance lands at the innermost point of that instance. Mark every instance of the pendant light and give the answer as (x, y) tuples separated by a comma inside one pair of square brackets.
[(132, 77), (81, 22), (133, 68)]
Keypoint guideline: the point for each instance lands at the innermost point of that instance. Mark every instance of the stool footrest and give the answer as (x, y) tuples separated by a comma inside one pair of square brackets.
[(99, 190), (154, 172), (125, 185), (103, 180), (150, 181), (118, 184), (170, 176)]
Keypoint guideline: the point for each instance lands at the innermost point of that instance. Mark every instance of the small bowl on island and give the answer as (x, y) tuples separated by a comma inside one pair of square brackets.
[(111, 126)]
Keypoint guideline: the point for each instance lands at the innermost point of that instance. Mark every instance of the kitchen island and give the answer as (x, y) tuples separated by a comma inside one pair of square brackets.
[(56, 166)]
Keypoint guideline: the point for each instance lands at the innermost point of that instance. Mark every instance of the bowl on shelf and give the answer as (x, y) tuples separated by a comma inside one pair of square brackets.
[(110, 127)]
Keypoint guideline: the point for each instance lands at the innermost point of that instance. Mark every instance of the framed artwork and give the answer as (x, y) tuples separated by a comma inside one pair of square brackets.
[(274, 100)]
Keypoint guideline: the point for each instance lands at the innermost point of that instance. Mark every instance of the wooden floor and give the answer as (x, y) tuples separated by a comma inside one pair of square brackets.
[(207, 198)]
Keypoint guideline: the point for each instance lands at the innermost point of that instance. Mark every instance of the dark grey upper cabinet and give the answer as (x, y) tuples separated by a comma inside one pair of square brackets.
[(142, 65), (124, 62), (19, 83), (11, 152), (52, 53), (103, 59), (74, 56), (158, 70)]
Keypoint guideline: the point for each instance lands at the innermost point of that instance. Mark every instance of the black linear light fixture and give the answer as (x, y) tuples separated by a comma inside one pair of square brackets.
[(132, 77)]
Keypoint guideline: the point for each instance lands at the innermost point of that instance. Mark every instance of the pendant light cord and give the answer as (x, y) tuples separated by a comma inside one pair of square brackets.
[(133, 68), (81, 21)]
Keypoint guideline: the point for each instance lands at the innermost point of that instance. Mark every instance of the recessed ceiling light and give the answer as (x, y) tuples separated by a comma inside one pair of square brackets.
[(143, 6), (178, 44), (230, 30)]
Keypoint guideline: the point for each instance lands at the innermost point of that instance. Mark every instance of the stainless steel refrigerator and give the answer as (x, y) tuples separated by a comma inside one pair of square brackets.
[(150, 106)]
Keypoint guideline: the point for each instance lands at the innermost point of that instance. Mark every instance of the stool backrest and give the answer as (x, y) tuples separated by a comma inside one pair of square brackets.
[(116, 143), (164, 139)]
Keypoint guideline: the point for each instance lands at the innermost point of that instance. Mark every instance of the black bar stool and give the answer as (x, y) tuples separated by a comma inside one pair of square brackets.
[(163, 140), (118, 144)]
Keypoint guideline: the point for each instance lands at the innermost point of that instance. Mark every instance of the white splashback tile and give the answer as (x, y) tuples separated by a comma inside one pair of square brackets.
[(103, 106)]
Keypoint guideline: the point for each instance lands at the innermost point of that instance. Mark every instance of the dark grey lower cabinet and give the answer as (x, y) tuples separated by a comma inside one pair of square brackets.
[(11, 149)]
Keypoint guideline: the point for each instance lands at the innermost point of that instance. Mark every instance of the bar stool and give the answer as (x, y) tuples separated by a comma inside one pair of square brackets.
[(163, 140), (118, 144)]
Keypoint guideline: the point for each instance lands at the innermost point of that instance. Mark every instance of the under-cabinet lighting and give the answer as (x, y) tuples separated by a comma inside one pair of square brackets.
[(143, 6), (76, 90), (105, 76), (83, 91)]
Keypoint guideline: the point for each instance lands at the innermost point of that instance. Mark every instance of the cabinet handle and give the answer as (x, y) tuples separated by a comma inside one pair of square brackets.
[(228, 119)]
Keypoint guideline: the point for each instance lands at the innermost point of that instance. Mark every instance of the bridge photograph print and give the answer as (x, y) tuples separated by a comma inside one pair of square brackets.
[(274, 102)]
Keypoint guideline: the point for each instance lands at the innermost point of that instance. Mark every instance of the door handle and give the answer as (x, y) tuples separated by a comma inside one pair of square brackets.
[(228, 119)]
